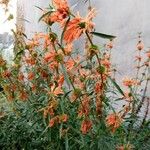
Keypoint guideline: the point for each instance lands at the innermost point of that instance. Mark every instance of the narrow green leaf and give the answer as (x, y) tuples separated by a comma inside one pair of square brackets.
[(62, 35), (66, 94), (44, 15), (24, 35), (19, 53), (102, 35), (39, 8), (119, 99), (117, 86), (66, 142)]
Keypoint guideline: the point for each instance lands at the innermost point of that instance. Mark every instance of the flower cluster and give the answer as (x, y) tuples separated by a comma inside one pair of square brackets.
[(70, 90)]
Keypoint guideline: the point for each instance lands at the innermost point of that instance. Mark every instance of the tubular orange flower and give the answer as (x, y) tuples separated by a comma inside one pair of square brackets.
[(70, 64), (49, 56), (30, 61), (79, 25), (86, 126), (31, 76), (85, 107), (113, 121), (52, 122), (60, 13), (60, 80), (56, 90), (44, 74), (130, 82), (106, 63), (98, 87)]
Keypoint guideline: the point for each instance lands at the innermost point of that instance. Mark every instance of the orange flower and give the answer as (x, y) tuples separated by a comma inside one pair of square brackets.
[(106, 63), (44, 74), (31, 76), (63, 118), (49, 56), (114, 121), (85, 107), (52, 122), (129, 82), (33, 87), (56, 90), (98, 87), (70, 64), (120, 148), (53, 65), (86, 126), (61, 11), (21, 76), (23, 95), (60, 80), (6, 74), (30, 61), (58, 119), (79, 25)]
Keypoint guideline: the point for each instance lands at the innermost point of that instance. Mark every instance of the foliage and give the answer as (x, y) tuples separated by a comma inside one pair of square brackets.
[(60, 100)]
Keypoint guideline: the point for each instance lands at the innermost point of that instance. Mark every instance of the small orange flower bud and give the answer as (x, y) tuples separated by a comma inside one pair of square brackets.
[(52, 122)]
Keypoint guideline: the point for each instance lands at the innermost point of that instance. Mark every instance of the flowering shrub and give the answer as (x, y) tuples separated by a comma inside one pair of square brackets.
[(63, 99)]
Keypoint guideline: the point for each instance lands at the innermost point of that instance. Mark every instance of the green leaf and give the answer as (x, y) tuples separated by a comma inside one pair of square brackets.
[(44, 15), (19, 53), (39, 8), (117, 86), (66, 142), (102, 35), (62, 35), (66, 94), (24, 35)]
